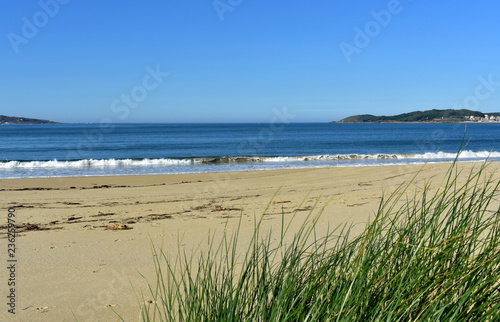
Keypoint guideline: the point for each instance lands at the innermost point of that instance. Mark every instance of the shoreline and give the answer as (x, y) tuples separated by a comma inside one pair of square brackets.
[(84, 241), (391, 164), (423, 163), (235, 171)]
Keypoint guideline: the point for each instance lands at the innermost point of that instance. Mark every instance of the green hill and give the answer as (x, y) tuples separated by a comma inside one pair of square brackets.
[(431, 116), (22, 120)]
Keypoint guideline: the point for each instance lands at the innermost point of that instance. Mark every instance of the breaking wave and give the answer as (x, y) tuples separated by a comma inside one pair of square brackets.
[(115, 163)]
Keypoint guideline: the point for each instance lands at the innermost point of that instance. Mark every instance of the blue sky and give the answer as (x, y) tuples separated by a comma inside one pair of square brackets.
[(240, 60)]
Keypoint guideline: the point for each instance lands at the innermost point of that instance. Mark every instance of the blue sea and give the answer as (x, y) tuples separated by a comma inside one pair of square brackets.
[(53, 150)]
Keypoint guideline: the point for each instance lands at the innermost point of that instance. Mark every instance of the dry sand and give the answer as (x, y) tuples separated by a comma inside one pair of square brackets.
[(71, 264)]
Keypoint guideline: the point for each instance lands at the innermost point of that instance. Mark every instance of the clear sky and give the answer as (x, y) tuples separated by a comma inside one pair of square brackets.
[(241, 60)]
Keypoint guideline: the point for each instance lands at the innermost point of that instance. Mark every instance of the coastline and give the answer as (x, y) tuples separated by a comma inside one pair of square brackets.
[(429, 122), (75, 259), (89, 168)]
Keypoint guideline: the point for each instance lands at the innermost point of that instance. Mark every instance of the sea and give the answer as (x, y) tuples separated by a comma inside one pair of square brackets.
[(67, 150)]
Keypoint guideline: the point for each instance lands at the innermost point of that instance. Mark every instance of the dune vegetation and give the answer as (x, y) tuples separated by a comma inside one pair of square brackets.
[(433, 255)]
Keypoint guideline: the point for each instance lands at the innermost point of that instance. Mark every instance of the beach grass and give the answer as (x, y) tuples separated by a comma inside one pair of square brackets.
[(432, 255)]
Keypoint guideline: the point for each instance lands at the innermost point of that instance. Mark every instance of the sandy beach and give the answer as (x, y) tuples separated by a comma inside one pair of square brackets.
[(83, 243)]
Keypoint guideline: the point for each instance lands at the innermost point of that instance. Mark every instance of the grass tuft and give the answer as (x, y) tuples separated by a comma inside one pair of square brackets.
[(434, 256)]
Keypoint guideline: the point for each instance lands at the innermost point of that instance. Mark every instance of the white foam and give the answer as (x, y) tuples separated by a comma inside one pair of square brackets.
[(461, 155), (91, 163), (120, 163), (333, 157)]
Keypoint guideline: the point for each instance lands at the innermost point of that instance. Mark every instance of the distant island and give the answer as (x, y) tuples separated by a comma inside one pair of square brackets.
[(429, 116), (23, 120)]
